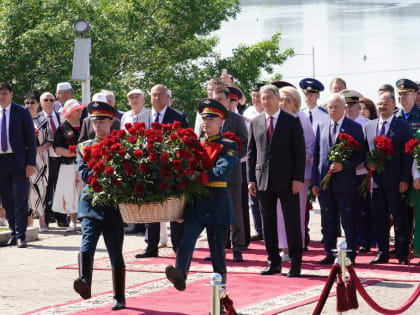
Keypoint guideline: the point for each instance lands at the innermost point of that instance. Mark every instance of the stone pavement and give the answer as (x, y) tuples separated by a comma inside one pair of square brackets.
[(29, 278)]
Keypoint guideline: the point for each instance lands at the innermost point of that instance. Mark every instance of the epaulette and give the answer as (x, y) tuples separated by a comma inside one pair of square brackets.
[(323, 109), (227, 140)]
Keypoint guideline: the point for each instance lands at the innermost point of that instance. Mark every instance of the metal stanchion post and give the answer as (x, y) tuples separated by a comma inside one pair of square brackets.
[(342, 259), (216, 286)]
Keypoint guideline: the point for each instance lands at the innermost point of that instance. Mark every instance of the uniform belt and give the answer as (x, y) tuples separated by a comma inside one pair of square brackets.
[(7, 156), (216, 184)]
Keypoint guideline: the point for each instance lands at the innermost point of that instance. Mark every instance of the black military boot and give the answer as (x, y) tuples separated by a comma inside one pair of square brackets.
[(83, 283), (118, 283), (222, 307)]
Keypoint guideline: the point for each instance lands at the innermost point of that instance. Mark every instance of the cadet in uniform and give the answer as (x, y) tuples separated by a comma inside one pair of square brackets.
[(213, 213), (316, 114), (406, 97), (99, 219)]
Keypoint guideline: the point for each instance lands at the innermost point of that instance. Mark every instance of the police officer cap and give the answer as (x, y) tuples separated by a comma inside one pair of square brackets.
[(351, 96), (256, 87), (281, 84), (235, 93), (208, 107), (310, 85), (406, 85), (100, 110)]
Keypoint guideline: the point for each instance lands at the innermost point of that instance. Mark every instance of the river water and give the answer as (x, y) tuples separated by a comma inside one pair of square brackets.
[(367, 43)]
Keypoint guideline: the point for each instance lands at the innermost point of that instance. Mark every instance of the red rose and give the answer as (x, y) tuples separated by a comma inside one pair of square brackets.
[(92, 180), (138, 153), (97, 188), (91, 164), (153, 157), (164, 157), (232, 136), (114, 132), (122, 152), (139, 188), (176, 164), (109, 170), (132, 139), (166, 127), (115, 182), (183, 154), (129, 170), (114, 148), (99, 166), (165, 172), (156, 126), (181, 173), (132, 131), (121, 133), (183, 184), (193, 163), (143, 168), (190, 172), (176, 124), (128, 126), (139, 125), (411, 145), (173, 137), (164, 186), (72, 149), (149, 146)]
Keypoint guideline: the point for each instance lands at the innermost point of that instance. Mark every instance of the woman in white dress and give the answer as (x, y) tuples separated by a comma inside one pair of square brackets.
[(290, 102), (69, 184), (39, 180)]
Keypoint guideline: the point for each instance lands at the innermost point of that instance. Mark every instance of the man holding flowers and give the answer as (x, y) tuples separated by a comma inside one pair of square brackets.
[(390, 185), (105, 219), (337, 153), (212, 212)]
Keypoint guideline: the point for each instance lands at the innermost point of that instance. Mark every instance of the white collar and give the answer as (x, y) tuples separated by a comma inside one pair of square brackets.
[(381, 121), (338, 122), (275, 115), (161, 113), (7, 108)]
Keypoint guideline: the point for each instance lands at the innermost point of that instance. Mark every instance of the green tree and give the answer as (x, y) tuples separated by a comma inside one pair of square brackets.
[(135, 43)]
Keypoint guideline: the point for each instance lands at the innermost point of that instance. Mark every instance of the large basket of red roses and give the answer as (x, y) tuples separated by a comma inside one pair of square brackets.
[(147, 173)]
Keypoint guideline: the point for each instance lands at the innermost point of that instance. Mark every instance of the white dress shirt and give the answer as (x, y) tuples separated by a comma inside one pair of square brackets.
[(275, 118), (130, 117), (249, 114), (154, 113), (362, 122), (381, 122), (318, 116), (338, 128), (9, 147), (51, 134)]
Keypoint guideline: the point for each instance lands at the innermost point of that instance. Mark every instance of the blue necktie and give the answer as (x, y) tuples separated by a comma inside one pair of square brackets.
[(382, 131), (157, 117), (3, 132)]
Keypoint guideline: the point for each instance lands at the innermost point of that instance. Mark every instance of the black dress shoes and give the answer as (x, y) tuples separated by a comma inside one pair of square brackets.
[(237, 256), (145, 254), (21, 244), (381, 258), (176, 277), (364, 249), (257, 237), (403, 261), (293, 273), (207, 258), (271, 270), (328, 260)]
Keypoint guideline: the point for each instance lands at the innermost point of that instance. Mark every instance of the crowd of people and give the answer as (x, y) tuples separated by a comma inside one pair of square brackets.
[(286, 142)]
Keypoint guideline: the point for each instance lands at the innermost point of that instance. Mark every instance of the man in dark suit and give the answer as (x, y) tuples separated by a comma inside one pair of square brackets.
[(162, 113), (389, 185), (87, 131), (337, 200), (235, 124), (17, 163), (275, 169)]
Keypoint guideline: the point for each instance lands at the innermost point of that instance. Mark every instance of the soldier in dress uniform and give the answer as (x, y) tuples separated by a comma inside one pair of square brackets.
[(316, 114), (215, 212), (99, 219), (406, 97)]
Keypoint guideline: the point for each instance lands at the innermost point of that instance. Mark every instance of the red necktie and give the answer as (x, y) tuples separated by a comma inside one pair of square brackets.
[(53, 127), (270, 129)]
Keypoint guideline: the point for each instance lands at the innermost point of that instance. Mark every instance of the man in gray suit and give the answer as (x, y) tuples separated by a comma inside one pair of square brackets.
[(236, 124)]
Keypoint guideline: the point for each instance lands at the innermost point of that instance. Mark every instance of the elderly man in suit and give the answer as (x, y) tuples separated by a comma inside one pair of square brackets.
[(17, 163), (390, 185), (275, 170), (164, 114), (87, 131), (337, 200)]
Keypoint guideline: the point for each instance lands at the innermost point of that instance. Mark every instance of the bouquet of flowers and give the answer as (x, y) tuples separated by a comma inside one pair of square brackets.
[(341, 152), (144, 166), (413, 147), (383, 152)]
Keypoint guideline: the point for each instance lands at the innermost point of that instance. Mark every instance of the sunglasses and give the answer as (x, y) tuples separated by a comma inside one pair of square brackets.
[(30, 102), (49, 100)]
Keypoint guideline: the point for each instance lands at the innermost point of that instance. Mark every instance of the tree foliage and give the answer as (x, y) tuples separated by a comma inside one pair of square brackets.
[(135, 43)]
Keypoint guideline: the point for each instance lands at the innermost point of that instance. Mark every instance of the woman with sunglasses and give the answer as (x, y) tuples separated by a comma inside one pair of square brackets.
[(39, 180)]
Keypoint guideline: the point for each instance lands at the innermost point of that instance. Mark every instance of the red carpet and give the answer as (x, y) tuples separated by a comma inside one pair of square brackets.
[(249, 294), (256, 259)]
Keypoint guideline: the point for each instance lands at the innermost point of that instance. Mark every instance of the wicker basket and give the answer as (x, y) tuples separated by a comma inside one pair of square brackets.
[(170, 210)]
